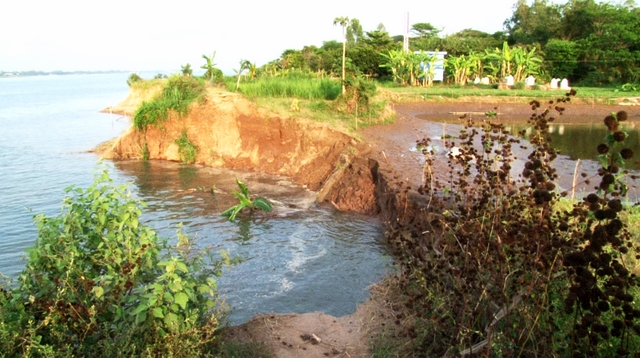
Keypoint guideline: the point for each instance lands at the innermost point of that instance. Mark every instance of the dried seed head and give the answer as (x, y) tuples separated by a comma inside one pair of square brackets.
[(608, 179), (622, 116), (615, 204), (619, 136), (603, 148), (611, 122), (592, 198), (626, 153)]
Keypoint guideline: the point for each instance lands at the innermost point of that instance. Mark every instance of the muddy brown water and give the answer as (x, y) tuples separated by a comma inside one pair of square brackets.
[(396, 143)]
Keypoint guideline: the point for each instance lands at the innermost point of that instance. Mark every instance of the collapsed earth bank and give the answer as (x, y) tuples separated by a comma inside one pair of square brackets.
[(232, 132)]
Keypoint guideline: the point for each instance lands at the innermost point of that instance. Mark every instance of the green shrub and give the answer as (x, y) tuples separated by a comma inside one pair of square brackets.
[(518, 86), (177, 94), (133, 78), (630, 87), (98, 282), (151, 113), (188, 151)]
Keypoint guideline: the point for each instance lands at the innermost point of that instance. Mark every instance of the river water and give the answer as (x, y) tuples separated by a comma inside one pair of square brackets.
[(304, 257)]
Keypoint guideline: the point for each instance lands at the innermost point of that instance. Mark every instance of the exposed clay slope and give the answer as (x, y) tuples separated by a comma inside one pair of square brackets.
[(231, 132), (136, 96)]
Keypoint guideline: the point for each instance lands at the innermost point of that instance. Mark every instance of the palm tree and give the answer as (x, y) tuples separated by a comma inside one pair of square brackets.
[(244, 65), (186, 70), (253, 70), (344, 22), (209, 67)]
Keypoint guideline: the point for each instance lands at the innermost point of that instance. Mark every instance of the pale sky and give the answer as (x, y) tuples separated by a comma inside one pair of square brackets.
[(142, 35)]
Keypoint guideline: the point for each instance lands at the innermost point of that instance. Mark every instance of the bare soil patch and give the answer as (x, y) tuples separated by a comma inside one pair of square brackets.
[(318, 335)]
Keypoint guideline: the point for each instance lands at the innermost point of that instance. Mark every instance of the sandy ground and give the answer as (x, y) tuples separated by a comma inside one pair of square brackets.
[(317, 334)]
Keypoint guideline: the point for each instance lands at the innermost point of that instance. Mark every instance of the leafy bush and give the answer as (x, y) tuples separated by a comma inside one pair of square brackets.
[(151, 113), (630, 87), (358, 93), (98, 282), (519, 86), (177, 94), (133, 78), (188, 151)]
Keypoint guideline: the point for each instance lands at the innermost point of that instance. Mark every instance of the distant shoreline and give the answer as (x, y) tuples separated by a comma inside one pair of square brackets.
[(10, 74)]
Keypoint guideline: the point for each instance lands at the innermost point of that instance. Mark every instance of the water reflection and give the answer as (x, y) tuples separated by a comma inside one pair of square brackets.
[(579, 141), (576, 140)]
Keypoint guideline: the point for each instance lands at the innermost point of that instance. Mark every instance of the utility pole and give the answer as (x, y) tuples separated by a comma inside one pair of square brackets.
[(405, 45)]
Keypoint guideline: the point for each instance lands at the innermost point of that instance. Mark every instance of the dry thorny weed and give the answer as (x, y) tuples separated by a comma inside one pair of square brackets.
[(491, 267)]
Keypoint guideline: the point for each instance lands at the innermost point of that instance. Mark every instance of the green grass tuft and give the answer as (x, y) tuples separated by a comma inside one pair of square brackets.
[(302, 87), (177, 94), (188, 151)]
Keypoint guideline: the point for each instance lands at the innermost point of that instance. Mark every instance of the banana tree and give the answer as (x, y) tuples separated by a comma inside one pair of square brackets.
[(245, 202), (491, 64), (209, 66), (344, 22), (461, 68), (477, 69), (426, 67), (399, 62), (525, 63), (186, 70), (253, 70), (506, 59)]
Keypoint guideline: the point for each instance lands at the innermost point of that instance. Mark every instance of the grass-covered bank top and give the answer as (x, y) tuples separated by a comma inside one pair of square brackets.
[(477, 92), (177, 93), (294, 94), (296, 84)]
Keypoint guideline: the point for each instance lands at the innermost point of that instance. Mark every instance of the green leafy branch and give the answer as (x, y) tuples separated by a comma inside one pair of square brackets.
[(246, 202)]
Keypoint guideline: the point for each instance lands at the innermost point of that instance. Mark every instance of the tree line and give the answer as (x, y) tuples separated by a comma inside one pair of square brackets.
[(589, 43)]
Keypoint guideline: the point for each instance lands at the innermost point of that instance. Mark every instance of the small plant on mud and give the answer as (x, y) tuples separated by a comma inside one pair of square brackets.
[(187, 150), (245, 201), (493, 268), (98, 282)]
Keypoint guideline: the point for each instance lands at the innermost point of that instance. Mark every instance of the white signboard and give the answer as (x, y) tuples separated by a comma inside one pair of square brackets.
[(438, 65)]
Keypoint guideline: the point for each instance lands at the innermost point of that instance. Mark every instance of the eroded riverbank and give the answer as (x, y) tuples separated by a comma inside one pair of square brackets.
[(381, 175)]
